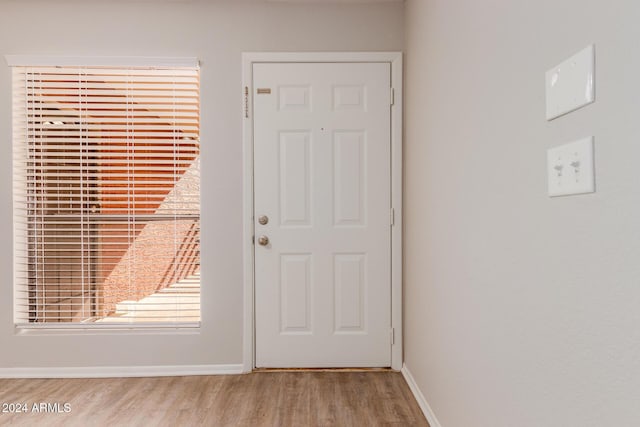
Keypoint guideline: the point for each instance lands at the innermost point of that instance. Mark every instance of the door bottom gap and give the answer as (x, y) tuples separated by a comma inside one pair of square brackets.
[(322, 370)]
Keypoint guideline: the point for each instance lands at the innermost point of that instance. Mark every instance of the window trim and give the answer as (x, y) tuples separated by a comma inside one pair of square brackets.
[(100, 61)]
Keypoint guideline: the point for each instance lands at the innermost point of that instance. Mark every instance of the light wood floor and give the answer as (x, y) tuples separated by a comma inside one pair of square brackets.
[(296, 399)]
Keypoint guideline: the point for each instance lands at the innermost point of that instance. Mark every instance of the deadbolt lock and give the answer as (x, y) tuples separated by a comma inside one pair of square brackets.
[(263, 220)]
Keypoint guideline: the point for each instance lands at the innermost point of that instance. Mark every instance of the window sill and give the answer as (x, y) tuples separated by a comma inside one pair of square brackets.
[(191, 328)]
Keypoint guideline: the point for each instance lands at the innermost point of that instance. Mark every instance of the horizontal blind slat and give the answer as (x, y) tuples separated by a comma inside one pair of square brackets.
[(106, 195)]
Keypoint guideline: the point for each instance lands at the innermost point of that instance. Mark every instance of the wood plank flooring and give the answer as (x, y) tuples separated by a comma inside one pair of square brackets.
[(296, 399)]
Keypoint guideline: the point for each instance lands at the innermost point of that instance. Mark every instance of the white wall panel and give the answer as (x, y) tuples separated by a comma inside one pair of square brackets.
[(521, 310)]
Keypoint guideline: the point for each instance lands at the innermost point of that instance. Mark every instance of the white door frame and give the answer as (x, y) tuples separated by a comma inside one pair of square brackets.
[(393, 58)]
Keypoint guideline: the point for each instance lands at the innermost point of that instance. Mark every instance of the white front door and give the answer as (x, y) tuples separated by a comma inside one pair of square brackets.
[(322, 199)]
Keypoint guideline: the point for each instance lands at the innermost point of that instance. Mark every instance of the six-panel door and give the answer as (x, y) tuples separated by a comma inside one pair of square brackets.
[(322, 180)]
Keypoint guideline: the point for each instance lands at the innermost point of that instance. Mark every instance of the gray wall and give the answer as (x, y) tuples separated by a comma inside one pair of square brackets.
[(216, 32), (521, 310)]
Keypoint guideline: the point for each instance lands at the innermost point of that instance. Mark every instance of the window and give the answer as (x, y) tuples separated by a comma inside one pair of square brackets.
[(106, 195)]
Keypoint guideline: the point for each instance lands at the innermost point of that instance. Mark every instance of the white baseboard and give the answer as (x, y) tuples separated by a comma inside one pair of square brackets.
[(121, 371), (422, 402)]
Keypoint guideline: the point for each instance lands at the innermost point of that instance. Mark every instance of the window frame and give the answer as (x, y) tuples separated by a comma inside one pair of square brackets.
[(114, 62)]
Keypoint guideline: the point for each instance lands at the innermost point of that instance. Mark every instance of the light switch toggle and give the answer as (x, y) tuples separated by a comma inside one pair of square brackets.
[(576, 167), (559, 168)]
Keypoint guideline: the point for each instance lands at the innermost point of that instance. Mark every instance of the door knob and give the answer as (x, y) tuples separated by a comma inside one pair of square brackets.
[(263, 240)]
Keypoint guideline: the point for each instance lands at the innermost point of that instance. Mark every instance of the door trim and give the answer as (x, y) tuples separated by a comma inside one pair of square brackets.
[(250, 58)]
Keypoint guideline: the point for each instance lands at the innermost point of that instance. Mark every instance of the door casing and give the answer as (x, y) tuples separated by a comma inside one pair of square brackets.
[(393, 58)]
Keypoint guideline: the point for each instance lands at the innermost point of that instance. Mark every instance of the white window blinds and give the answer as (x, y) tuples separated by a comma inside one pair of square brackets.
[(106, 195)]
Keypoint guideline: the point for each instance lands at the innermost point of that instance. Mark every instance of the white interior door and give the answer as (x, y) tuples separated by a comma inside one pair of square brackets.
[(322, 183)]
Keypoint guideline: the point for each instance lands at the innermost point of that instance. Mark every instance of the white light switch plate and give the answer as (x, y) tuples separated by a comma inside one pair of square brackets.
[(570, 168), (571, 84)]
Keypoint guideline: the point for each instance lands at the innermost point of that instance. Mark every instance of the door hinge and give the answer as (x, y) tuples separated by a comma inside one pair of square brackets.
[(393, 336), (246, 102), (393, 96), (392, 217)]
